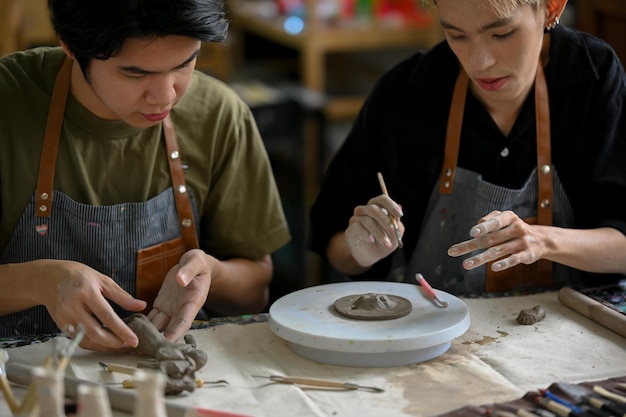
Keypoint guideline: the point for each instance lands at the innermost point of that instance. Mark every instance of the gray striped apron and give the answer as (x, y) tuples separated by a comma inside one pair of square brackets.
[(450, 215), (133, 243)]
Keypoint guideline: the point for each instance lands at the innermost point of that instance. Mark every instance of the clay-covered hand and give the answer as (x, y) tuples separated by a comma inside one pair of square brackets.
[(77, 294), (182, 295), (370, 234), (503, 237)]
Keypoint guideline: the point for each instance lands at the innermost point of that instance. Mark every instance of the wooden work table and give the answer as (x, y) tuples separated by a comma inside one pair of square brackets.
[(496, 360)]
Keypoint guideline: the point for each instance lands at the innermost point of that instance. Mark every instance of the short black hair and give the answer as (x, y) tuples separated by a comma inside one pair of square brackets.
[(97, 29)]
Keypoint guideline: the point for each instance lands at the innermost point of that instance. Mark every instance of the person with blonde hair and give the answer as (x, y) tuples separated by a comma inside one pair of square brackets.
[(502, 149)]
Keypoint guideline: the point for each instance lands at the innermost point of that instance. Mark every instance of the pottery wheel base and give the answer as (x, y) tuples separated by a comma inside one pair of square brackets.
[(308, 321), (370, 360)]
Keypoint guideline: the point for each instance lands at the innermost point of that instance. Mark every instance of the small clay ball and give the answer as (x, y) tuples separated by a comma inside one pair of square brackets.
[(531, 315)]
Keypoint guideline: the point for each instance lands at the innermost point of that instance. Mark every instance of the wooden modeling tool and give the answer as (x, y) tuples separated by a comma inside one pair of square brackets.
[(317, 382), (4, 383), (429, 291), (608, 394), (393, 219), (129, 370), (59, 360), (120, 399)]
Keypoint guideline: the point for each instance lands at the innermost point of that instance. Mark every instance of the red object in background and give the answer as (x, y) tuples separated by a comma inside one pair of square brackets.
[(413, 13), (285, 7), (409, 11), (348, 9)]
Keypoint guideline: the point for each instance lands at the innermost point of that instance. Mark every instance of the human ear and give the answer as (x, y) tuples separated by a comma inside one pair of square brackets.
[(69, 53), (554, 10)]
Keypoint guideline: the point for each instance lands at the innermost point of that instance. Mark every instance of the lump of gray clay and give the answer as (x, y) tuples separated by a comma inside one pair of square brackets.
[(178, 361), (531, 315)]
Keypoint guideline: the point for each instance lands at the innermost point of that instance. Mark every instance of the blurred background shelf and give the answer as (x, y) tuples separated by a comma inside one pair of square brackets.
[(313, 38)]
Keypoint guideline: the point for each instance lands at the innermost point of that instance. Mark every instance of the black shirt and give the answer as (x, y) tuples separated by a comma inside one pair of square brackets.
[(401, 129)]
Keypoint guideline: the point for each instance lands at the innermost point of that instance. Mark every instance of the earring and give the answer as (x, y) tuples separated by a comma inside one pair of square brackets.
[(553, 24)]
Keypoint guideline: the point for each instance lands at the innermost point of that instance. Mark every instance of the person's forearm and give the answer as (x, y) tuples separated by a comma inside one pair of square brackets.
[(240, 286), (21, 285), (340, 256), (593, 250)]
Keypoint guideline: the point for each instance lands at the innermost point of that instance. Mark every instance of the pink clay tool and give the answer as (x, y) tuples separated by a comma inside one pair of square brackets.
[(429, 291)]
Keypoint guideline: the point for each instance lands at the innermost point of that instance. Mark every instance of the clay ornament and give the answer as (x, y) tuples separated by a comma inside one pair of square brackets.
[(177, 361), (373, 306), (531, 315)]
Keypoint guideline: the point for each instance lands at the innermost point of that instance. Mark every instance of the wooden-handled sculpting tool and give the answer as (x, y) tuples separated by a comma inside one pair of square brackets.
[(120, 399), (393, 219), (317, 382), (59, 360), (4, 384), (129, 370), (429, 291)]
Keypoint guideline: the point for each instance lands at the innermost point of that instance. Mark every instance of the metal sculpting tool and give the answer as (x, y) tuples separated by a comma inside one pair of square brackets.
[(429, 291), (317, 382)]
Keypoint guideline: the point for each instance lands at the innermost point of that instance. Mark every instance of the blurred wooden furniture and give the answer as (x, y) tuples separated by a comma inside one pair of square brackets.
[(11, 22), (216, 59), (318, 39), (605, 19), (24, 24)]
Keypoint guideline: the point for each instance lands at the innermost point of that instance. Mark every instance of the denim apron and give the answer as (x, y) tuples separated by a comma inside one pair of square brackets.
[(133, 243), (450, 215)]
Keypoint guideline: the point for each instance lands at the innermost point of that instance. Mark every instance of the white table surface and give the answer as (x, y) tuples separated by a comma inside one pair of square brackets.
[(496, 360)]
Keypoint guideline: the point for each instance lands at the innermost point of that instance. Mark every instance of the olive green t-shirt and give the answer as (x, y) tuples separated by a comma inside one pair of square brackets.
[(102, 162)]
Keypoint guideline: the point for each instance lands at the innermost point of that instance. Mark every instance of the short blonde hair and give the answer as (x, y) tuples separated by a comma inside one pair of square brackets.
[(503, 8)]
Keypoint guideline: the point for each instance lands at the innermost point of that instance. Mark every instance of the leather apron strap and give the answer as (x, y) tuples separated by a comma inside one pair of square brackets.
[(544, 159), (181, 192), (51, 146), (544, 155), (453, 133)]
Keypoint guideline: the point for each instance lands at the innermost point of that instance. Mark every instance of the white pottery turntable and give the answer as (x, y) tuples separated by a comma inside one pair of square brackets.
[(313, 329)]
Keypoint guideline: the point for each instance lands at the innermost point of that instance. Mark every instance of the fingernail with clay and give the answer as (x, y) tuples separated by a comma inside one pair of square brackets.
[(475, 232), (468, 264), (132, 343)]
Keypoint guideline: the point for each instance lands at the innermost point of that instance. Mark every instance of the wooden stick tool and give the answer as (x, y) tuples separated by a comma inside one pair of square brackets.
[(393, 219), (317, 382)]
